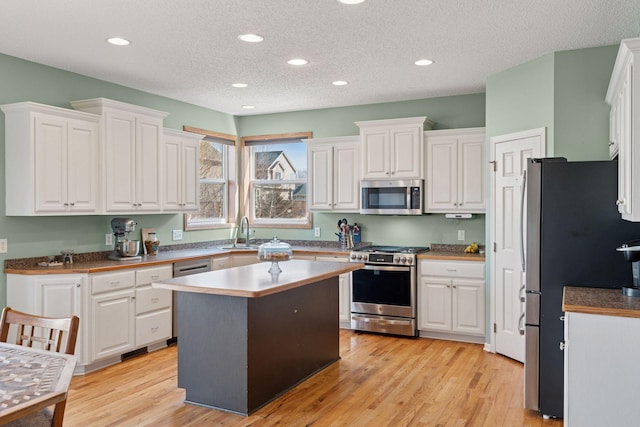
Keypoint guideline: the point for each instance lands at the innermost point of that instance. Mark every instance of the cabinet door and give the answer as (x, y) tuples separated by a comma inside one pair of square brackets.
[(375, 153), (50, 169), (468, 306), (220, 263), (442, 176), (434, 304), (625, 153), (82, 155), (321, 176), (346, 177), (238, 260), (171, 174), (113, 317), (64, 297), (147, 163), (406, 152), (190, 174), (471, 179), (120, 164)]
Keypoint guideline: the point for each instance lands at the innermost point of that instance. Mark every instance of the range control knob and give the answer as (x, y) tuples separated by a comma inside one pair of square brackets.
[(410, 260), (403, 260), (360, 257), (353, 256), (396, 260)]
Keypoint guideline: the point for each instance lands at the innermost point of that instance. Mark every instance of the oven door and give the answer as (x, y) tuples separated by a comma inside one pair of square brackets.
[(384, 290)]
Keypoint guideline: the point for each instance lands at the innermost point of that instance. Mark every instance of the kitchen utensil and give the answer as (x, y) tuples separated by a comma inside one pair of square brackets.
[(128, 248)]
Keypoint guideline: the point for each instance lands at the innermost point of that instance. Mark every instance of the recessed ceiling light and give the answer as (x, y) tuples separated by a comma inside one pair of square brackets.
[(339, 83), (248, 107), (351, 1), (423, 62), (239, 85), (251, 38), (118, 41), (297, 61)]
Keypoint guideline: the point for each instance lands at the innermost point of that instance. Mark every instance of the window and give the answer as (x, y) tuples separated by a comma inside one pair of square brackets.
[(275, 182), (217, 182)]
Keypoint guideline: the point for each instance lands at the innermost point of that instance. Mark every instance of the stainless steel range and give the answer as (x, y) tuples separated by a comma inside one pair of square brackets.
[(383, 293)]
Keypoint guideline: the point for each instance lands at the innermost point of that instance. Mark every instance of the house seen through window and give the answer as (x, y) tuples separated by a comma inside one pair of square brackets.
[(277, 188)]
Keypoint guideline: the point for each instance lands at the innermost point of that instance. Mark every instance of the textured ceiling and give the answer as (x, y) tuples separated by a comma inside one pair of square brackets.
[(188, 49)]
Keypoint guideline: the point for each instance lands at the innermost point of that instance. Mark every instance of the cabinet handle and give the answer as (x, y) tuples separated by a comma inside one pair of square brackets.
[(619, 202), (448, 286), (114, 283), (452, 270), (66, 204), (154, 300), (563, 345), (155, 329), (155, 277), (77, 285), (611, 143), (72, 204)]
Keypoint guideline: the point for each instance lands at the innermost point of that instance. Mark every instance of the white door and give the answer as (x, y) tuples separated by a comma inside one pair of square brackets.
[(510, 153)]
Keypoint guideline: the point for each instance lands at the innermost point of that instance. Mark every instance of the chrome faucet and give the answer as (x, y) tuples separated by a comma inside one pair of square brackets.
[(242, 221)]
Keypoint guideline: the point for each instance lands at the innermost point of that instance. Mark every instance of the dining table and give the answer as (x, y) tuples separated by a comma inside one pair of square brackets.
[(31, 379)]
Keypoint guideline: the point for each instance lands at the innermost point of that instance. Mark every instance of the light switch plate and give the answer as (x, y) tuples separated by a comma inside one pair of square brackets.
[(3, 246), (177, 234), (460, 234), (316, 231), (108, 239)]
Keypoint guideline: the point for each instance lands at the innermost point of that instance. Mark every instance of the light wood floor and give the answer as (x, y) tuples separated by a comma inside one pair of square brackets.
[(379, 381)]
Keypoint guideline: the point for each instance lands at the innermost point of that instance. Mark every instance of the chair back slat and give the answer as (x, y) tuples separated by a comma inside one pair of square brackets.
[(48, 332)]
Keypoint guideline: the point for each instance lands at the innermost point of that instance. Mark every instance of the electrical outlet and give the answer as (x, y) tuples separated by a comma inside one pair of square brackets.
[(177, 234), (316, 231), (108, 239), (460, 234), (3, 246)]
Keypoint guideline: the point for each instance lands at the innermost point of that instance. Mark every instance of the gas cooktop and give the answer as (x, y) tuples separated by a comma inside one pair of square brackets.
[(392, 249)]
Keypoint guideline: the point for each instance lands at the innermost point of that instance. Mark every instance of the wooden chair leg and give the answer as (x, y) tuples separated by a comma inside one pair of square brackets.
[(58, 414)]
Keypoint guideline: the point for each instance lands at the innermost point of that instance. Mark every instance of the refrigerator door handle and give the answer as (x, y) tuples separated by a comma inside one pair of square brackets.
[(522, 195)]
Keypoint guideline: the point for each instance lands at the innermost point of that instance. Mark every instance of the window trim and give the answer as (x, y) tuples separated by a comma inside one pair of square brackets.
[(247, 200), (232, 188)]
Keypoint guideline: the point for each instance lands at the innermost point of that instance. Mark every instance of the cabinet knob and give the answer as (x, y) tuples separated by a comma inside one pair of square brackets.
[(72, 204), (448, 286), (619, 202), (77, 285), (66, 204)]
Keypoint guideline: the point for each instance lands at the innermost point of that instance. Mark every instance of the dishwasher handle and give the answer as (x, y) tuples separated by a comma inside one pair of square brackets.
[(191, 267)]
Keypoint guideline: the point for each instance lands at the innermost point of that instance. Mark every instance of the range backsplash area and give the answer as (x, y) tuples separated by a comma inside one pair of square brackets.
[(419, 230)]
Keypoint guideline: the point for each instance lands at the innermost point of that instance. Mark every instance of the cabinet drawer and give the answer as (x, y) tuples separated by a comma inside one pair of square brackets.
[(147, 275), (112, 282), (453, 269), (153, 327), (151, 299), (333, 258)]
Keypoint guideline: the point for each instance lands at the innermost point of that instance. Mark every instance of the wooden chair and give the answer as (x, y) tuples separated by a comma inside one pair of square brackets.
[(48, 334)]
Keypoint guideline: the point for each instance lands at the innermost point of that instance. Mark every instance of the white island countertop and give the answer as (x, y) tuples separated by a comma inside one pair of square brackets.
[(253, 281)]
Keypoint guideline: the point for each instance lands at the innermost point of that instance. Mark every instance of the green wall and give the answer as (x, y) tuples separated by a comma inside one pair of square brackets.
[(581, 116)]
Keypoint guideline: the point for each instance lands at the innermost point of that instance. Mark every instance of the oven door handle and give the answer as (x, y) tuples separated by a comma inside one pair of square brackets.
[(381, 321), (386, 268)]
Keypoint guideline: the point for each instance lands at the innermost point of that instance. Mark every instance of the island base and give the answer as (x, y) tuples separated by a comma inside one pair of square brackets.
[(236, 354)]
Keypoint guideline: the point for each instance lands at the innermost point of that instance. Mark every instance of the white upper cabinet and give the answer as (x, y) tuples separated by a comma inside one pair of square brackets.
[(455, 169), (131, 154), (393, 149), (334, 174), (624, 126), (51, 160), (180, 171)]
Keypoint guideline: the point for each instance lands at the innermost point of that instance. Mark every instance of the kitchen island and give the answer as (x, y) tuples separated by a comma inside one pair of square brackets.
[(247, 336)]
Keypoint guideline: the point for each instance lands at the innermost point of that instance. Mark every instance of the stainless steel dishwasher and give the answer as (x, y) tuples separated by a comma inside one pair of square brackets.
[(186, 268)]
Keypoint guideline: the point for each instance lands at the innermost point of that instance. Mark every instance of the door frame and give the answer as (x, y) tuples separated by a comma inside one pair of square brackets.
[(537, 132)]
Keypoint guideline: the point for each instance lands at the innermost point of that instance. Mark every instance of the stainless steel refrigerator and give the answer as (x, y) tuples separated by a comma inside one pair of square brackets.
[(572, 231)]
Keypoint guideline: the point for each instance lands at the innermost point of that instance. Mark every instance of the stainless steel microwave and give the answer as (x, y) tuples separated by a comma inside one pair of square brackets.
[(392, 197)]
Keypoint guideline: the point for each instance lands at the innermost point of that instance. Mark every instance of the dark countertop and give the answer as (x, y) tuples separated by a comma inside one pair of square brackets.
[(607, 302), (98, 262)]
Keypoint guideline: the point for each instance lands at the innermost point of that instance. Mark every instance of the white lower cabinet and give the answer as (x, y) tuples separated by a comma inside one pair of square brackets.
[(112, 314), (53, 296), (451, 301), (345, 291), (600, 370), (238, 260), (153, 306)]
